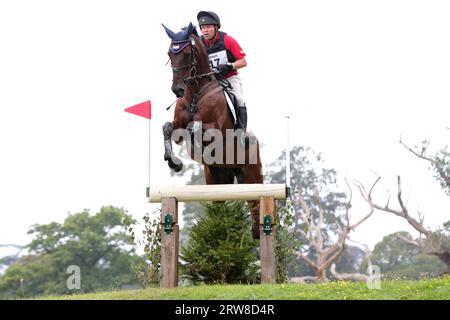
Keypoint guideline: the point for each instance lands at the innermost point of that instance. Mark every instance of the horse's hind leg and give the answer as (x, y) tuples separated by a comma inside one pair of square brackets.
[(173, 162), (254, 207), (218, 175), (253, 174)]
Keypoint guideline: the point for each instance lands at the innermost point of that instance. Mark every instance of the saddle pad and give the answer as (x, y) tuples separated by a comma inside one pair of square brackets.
[(230, 105)]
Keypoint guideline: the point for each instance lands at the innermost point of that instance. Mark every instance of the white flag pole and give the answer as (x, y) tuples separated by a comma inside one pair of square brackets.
[(288, 158), (149, 157), (144, 109)]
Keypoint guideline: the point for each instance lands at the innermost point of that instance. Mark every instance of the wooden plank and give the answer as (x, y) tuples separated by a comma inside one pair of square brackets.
[(169, 246), (216, 192), (268, 265)]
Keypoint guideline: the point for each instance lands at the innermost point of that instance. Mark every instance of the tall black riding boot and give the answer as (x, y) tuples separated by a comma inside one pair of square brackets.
[(242, 124), (242, 118)]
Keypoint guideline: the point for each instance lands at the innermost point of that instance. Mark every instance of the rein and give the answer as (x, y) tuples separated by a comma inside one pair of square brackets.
[(176, 47)]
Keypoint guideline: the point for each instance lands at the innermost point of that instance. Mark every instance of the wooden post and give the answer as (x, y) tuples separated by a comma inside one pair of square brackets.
[(169, 244), (268, 266)]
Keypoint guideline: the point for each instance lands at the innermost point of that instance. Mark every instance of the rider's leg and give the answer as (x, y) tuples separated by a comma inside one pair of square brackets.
[(236, 85), (236, 90), (242, 118), (244, 140)]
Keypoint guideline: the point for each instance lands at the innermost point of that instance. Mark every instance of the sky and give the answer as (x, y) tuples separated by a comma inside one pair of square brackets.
[(353, 76)]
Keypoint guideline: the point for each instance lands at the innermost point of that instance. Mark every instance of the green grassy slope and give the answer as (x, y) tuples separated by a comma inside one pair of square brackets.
[(398, 289)]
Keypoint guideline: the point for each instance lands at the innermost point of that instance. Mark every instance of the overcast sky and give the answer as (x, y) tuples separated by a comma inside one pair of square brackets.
[(352, 75)]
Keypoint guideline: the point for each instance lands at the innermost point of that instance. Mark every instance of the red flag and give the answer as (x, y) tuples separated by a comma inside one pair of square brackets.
[(142, 109)]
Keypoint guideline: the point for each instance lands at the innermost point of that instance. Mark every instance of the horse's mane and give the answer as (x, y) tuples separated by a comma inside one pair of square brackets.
[(200, 46), (194, 30)]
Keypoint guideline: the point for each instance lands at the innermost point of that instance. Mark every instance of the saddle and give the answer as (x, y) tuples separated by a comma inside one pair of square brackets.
[(229, 96), (225, 87)]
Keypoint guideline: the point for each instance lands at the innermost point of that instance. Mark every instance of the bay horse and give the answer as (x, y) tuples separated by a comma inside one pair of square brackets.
[(202, 106)]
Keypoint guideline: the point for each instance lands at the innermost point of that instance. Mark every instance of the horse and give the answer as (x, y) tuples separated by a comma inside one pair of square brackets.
[(201, 107)]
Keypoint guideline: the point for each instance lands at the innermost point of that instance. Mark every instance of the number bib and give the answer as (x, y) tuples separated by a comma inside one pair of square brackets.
[(217, 58)]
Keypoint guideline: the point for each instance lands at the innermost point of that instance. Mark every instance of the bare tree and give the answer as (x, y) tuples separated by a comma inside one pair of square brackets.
[(433, 243), (326, 253)]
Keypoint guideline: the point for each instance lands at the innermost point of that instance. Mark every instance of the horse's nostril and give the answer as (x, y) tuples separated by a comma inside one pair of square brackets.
[(179, 92)]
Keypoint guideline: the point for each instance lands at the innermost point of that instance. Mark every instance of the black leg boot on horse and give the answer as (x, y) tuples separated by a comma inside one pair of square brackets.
[(173, 162)]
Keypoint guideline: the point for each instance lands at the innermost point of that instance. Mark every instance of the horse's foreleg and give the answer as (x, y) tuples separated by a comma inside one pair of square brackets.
[(174, 163)]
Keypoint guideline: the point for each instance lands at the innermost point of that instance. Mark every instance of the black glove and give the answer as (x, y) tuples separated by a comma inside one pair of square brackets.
[(225, 69)]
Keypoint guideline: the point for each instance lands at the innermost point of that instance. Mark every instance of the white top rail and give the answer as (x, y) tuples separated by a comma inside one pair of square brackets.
[(217, 192)]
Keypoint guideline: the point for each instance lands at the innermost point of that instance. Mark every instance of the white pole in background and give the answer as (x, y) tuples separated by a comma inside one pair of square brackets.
[(149, 157), (288, 157)]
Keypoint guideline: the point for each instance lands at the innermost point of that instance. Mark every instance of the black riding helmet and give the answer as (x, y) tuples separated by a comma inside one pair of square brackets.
[(208, 17)]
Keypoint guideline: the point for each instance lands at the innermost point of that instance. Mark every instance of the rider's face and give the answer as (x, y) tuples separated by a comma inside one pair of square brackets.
[(208, 31)]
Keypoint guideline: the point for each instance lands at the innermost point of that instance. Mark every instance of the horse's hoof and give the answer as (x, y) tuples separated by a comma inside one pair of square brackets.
[(178, 167), (175, 167)]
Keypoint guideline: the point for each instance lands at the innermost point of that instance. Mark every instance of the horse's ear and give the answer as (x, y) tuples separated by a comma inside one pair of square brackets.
[(189, 30), (169, 32), (195, 32)]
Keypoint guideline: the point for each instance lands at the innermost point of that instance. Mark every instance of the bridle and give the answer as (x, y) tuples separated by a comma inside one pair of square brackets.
[(178, 46)]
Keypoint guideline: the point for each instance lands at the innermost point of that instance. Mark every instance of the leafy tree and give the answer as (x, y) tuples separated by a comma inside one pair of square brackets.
[(392, 253), (308, 177), (10, 259), (317, 186), (398, 258), (148, 270), (285, 243), (351, 260), (97, 244), (220, 249)]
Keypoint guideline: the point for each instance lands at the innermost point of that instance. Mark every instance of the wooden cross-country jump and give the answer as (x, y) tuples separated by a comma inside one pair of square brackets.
[(171, 195)]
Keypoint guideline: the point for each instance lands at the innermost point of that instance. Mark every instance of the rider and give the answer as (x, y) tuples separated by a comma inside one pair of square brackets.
[(225, 56)]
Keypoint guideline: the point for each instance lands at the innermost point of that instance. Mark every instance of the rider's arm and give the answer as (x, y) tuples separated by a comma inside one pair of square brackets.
[(241, 63), (236, 50)]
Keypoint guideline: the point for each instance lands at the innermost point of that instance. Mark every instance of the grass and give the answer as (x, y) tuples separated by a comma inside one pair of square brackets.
[(438, 288)]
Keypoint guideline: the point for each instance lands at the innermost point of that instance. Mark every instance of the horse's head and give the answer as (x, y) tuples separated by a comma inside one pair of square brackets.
[(183, 57)]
